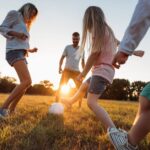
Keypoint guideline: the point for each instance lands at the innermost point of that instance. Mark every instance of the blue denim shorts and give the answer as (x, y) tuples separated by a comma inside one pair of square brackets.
[(146, 91), (97, 84), (15, 55)]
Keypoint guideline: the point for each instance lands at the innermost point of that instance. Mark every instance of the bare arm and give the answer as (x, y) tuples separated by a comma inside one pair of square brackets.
[(89, 63), (60, 63)]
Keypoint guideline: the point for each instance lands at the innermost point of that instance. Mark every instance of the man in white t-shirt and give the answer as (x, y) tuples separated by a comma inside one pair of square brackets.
[(71, 69)]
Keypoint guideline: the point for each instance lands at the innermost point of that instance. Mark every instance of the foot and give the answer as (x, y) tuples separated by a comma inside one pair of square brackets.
[(66, 102), (119, 139), (4, 113), (12, 112)]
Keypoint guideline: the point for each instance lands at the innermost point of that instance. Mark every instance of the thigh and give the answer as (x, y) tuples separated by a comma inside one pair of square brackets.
[(65, 77), (22, 70), (74, 77), (92, 98)]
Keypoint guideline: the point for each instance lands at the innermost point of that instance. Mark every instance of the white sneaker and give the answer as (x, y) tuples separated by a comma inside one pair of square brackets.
[(4, 113), (119, 139)]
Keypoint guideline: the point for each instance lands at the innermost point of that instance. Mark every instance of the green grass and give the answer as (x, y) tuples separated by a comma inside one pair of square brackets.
[(32, 128)]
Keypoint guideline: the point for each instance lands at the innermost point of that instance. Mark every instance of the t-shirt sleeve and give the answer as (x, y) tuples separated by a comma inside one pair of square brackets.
[(8, 22), (65, 52)]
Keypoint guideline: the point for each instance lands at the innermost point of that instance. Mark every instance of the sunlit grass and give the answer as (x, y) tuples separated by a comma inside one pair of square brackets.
[(32, 128)]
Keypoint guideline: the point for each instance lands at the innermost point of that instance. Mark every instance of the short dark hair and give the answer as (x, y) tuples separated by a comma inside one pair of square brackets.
[(75, 34)]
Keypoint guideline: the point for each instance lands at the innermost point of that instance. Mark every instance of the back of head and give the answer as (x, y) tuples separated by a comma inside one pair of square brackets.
[(94, 23)]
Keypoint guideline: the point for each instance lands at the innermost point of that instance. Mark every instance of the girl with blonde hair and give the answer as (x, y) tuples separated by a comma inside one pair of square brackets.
[(15, 28), (102, 51), (103, 48)]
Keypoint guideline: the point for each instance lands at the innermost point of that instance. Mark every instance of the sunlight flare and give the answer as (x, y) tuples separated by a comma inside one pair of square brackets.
[(65, 89)]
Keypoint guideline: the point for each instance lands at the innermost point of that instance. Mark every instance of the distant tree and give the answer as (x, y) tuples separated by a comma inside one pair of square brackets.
[(118, 90), (46, 83), (135, 89), (7, 84), (43, 88)]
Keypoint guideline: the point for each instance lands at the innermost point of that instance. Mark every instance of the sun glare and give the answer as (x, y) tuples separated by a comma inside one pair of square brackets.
[(65, 89), (71, 83)]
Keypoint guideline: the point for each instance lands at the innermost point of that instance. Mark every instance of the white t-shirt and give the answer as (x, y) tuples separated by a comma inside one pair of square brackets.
[(72, 61)]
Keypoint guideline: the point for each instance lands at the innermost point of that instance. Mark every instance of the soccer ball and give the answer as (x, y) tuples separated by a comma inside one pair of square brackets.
[(56, 108)]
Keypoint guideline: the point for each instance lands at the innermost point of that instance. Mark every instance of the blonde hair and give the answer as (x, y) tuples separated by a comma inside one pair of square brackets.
[(94, 23), (26, 11)]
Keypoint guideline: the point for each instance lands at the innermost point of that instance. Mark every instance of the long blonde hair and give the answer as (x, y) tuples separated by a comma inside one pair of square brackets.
[(26, 11), (94, 23)]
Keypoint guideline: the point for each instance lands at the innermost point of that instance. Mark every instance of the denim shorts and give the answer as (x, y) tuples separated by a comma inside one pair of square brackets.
[(15, 55), (97, 84), (146, 91)]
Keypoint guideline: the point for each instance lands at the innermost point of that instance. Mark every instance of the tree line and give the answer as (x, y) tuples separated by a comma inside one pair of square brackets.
[(45, 87), (120, 89)]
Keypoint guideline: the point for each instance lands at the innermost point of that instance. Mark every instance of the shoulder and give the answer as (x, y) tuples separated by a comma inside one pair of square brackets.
[(13, 13), (68, 47)]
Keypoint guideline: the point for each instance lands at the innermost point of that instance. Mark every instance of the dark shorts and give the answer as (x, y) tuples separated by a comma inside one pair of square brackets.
[(15, 55), (146, 91), (97, 84)]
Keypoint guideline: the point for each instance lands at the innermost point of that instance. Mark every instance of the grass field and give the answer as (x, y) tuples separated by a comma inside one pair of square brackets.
[(32, 128)]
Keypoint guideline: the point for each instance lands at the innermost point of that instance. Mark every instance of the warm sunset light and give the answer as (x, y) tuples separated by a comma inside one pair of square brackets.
[(65, 89), (71, 84)]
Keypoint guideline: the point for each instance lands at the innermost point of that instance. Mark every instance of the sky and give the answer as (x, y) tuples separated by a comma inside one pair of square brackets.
[(52, 31)]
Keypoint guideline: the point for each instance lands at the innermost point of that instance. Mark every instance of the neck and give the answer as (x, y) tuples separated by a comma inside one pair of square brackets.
[(75, 46)]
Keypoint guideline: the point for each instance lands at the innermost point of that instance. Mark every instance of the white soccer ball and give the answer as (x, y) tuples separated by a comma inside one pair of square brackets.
[(56, 108)]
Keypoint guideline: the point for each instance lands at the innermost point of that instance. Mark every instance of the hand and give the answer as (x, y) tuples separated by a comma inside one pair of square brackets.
[(138, 53), (120, 58), (60, 70), (21, 36), (80, 77), (32, 50)]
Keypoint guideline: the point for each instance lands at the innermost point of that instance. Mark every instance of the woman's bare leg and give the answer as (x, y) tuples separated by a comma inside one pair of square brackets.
[(25, 81)]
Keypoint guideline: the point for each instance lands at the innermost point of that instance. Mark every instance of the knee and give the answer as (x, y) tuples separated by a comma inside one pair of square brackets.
[(90, 103), (84, 87), (26, 83)]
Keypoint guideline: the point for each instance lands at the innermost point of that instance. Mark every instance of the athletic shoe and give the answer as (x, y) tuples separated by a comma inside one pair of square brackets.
[(4, 112), (119, 139)]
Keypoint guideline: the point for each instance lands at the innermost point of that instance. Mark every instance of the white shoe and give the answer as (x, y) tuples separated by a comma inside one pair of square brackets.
[(119, 139), (4, 113)]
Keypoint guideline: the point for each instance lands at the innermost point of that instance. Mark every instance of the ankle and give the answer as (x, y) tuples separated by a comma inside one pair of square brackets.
[(131, 141)]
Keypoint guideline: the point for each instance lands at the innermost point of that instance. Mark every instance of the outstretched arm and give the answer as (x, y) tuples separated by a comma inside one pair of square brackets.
[(90, 62), (135, 32), (137, 28)]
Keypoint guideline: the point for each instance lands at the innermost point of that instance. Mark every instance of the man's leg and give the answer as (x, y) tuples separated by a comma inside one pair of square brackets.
[(78, 84), (64, 79), (79, 94)]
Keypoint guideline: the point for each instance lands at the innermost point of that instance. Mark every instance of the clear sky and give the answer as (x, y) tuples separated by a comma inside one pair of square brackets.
[(52, 31)]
